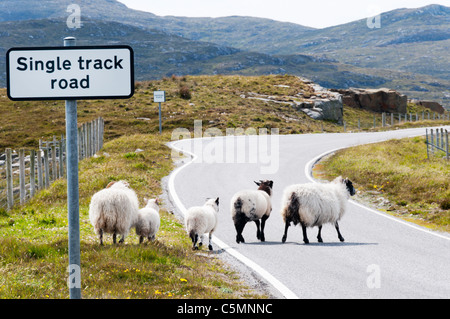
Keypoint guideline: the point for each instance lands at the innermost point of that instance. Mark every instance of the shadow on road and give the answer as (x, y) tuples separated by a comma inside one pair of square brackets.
[(331, 244)]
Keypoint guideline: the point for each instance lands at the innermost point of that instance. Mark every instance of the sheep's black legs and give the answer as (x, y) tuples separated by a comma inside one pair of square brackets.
[(263, 224), (239, 223), (100, 236), (288, 223), (194, 242), (114, 238), (258, 231), (339, 233), (141, 239), (319, 237), (122, 240), (210, 240), (305, 237)]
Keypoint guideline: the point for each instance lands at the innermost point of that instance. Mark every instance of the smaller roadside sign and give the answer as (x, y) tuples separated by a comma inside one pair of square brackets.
[(159, 96), (64, 73)]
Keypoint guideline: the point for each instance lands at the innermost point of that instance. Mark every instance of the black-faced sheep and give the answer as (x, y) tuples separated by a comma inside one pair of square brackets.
[(114, 210), (148, 220), (252, 205), (200, 220), (316, 204)]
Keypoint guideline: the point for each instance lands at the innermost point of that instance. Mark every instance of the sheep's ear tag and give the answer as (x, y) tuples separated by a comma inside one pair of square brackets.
[(110, 184)]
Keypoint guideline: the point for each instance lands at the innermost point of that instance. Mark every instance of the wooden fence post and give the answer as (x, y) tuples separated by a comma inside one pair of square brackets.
[(32, 173), (22, 176), (46, 169), (9, 179), (39, 169), (446, 143)]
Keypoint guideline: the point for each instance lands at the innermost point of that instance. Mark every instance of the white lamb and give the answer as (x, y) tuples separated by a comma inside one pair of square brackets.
[(114, 210), (316, 204), (200, 220), (252, 205), (148, 220)]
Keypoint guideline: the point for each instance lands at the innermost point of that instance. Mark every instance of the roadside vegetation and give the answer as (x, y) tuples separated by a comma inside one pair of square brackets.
[(397, 177), (33, 237)]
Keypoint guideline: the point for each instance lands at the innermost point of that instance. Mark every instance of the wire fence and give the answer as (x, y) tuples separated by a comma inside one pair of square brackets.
[(437, 141), (25, 171)]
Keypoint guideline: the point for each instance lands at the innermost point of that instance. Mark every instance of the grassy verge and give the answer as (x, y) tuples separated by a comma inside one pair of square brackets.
[(33, 237), (34, 250), (397, 176)]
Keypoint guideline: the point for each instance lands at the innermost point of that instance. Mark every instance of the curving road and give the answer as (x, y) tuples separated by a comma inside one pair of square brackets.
[(382, 256)]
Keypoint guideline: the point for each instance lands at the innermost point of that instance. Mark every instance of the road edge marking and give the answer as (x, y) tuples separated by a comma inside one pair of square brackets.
[(308, 173), (285, 291)]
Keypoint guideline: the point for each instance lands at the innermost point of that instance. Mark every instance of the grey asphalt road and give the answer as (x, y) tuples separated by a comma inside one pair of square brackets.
[(382, 256)]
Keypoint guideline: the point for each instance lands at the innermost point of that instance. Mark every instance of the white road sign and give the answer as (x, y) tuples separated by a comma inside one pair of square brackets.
[(159, 96), (61, 73)]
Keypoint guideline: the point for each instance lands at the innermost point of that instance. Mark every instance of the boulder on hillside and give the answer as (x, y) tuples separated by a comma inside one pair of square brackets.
[(433, 106), (375, 100), (323, 105)]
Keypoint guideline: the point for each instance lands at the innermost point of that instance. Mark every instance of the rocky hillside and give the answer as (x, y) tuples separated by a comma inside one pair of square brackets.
[(406, 53)]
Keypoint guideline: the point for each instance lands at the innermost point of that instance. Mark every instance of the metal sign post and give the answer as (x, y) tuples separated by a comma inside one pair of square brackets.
[(158, 97), (74, 280), (70, 73)]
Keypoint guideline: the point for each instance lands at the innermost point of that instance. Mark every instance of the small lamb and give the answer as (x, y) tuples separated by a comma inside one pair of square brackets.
[(200, 220), (148, 220), (316, 204)]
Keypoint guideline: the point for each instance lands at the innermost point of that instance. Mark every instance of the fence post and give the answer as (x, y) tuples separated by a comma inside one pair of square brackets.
[(46, 169), (446, 143), (383, 119), (32, 173), (54, 167), (9, 179), (22, 176), (61, 157), (39, 168)]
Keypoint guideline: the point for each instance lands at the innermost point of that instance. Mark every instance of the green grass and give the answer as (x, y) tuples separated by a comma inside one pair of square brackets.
[(33, 237), (34, 244), (398, 170)]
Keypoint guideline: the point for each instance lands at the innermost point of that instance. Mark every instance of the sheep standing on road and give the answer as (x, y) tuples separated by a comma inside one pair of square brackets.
[(148, 220), (252, 205), (316, 204), (114, 210), (200, 220)]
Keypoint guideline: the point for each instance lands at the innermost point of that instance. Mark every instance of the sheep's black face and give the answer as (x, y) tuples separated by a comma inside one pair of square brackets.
[(265, 186), (351, 190)]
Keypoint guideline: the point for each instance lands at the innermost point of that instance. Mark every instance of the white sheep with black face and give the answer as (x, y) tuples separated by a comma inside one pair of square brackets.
[(114, 210), (148, 220), (316, 204), (200, 220), (252, 205)]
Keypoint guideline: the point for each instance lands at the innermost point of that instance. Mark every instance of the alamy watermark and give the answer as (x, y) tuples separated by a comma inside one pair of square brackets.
[(374, 19), (74, 19), (249, 146), (373, 281), (74, 279)]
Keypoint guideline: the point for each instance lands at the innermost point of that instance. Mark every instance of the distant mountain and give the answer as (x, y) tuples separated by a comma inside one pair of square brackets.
[(159, 54), (408, 53)]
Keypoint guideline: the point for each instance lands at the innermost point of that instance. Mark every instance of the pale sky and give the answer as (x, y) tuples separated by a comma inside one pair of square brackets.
[(312, 13)]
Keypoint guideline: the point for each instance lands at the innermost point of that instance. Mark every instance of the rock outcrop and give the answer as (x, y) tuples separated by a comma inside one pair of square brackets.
[(316, 102), (433, 106), (375, 100)]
